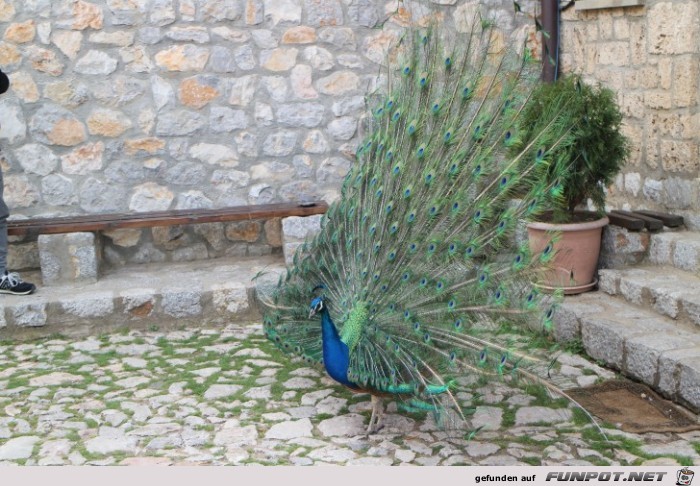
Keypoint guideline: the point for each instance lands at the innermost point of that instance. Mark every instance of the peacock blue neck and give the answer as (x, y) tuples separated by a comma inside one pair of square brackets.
[(336, 354)]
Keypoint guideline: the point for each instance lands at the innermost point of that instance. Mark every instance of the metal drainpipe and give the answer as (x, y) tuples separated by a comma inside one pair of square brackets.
[(550, 46)]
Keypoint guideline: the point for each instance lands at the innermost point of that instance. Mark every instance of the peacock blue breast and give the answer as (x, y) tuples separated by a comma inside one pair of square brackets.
[(336, 355)]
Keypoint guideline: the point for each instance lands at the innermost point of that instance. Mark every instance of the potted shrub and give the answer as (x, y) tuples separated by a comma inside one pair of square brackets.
[(584, 165)]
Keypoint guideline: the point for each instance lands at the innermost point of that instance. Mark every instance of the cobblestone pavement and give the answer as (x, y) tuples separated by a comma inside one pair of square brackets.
[(226, 396)]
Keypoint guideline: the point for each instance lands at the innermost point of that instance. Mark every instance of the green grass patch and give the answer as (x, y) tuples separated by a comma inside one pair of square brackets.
[(104, 359), (508, 418), (532, 460), (16, 382)]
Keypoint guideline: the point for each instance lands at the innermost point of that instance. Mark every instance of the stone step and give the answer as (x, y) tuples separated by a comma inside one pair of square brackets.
[(667, 290), (162, 295), (638, 342), (680, 249)]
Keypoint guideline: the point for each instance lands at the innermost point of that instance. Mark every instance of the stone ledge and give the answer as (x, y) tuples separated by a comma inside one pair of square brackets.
[(164, 295), (666, 290), (678, 249), (635, 341)]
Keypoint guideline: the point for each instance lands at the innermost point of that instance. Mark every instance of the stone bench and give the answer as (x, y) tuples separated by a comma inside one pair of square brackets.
[(69, 248)]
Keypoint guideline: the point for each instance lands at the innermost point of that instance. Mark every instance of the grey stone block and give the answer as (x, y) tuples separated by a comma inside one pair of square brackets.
[(566, 324), (604, 340), (73, 257), (96, 305), (669, 372), (138, 303), (296, 228), (621, 247), (182, 303), (686, 255), (29, 315), (608, 281), (689, 386), (642, 354), (660, 248), (632, 291), (230, 298)]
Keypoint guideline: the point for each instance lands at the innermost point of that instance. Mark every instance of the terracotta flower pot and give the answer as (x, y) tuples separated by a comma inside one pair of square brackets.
[(576, 257)]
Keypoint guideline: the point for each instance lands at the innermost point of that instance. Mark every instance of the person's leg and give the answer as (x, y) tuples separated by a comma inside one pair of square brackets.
[(10, 283), (4, 213)]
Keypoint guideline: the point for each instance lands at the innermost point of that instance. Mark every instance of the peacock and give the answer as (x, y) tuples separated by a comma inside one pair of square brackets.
[(416, 267)]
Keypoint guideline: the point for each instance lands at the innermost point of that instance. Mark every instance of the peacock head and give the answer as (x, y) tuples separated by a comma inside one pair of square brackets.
[(316, 306)]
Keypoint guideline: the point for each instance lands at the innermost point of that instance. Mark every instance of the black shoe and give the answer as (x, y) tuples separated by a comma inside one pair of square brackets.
[(10, 283)]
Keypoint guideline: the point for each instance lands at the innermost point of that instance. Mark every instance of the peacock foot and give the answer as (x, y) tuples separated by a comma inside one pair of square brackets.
[(375, 421)]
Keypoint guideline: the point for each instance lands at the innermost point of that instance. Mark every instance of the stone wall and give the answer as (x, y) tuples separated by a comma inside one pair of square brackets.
[(138, 105), (650, 56)]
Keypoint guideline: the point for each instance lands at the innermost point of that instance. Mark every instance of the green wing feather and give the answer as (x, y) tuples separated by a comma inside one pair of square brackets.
[(417, 257)]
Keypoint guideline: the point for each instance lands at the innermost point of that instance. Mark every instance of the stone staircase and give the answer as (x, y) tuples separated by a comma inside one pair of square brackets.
[(645, 318)]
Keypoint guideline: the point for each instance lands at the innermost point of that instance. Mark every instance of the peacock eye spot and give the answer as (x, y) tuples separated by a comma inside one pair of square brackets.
[(530, 297), (504, 181), (482, 278), (452, 247), (406, 276), (518, 259), (431, 247), (416, 325), (407, 70), (550, 313), (458, 323), (455, 206), (508, 135)]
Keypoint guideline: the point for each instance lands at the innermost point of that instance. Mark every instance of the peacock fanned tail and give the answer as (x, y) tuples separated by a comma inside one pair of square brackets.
[(417, 260)]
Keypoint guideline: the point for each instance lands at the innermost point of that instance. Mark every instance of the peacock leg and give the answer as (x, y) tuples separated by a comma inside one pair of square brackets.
[(377, 414)]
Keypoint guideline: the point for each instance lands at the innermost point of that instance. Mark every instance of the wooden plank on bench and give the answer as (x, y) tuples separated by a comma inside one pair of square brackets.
[(670, 220), (632, 224), (101, 222), (652, 224)]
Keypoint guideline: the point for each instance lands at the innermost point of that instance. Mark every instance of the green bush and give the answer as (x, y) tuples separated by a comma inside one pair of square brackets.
[(595, 150)]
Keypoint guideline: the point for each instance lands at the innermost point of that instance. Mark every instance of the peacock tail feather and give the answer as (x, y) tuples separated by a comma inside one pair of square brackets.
[(417, 260)]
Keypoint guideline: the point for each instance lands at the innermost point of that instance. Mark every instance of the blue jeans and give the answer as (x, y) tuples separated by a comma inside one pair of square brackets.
[(4, 213)]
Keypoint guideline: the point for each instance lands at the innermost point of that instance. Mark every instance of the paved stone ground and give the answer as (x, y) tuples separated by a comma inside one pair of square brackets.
[(226, 396)]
